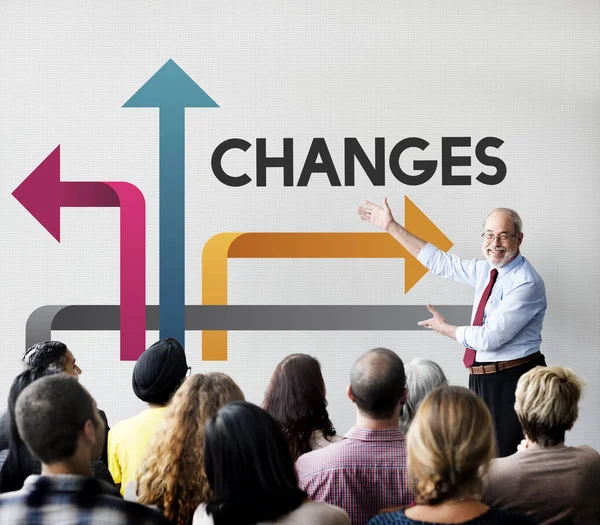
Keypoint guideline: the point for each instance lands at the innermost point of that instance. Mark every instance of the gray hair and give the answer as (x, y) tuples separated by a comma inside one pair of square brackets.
[(422, 376), (516, 219)]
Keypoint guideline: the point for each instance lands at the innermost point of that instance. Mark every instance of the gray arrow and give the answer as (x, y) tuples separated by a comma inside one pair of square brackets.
[(244, 317)]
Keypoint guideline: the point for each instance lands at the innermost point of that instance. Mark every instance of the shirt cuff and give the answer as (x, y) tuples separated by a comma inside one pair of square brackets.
[(460, 335), (426, 253)]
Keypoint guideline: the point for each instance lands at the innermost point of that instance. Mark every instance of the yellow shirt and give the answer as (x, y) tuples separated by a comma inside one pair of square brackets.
[(128, 442)]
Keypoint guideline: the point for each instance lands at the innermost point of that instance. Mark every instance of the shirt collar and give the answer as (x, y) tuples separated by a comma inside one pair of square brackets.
[(63, 483), (503, 270), (371, 434)]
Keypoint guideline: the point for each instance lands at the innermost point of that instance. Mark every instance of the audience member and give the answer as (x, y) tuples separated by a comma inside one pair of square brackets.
[(59, 422), (422, 377), (172, 476), (157, 375), (547, 480), (251, 473), (52, 354), (55, 355), (295, 398), (450, 440), (366, 471), (17, 462)]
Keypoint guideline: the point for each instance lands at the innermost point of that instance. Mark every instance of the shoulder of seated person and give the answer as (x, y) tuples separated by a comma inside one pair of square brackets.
[(505, 516), (320, 509)]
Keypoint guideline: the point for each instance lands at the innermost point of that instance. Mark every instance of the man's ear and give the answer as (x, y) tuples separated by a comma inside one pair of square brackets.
[(520, 238), (89, 432), (403, 397), (349, 393)]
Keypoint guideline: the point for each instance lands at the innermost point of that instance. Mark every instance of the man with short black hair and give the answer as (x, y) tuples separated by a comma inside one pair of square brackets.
[(366, 471), (59, 422)]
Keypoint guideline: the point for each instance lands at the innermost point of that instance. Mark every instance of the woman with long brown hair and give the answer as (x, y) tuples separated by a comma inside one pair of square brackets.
[(172, 477), (296, 399)]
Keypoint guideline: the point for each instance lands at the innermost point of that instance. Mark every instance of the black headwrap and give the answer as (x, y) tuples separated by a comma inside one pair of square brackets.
[(159, 372)]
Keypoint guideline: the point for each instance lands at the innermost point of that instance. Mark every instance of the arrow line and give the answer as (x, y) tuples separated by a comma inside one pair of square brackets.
[(43, 194), (42, 321), (172, 223), (171, 90), (224, 246)]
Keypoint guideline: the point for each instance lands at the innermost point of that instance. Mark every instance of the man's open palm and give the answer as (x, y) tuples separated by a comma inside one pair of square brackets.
[(379, 216)]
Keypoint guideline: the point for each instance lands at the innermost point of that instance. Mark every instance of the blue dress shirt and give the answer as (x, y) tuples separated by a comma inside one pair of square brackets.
[(514, 313)]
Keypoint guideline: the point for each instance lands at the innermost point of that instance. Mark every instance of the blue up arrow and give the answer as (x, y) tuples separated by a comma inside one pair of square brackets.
[(171, 90)]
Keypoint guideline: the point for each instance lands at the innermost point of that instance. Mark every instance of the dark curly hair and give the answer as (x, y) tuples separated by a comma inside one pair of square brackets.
[(295, 398)]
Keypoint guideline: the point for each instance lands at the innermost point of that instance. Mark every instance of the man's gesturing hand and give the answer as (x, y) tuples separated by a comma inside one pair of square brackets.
[(380, 217), (438, 324)]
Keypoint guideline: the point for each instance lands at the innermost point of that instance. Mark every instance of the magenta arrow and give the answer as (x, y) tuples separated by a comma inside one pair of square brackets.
[(43, 194)]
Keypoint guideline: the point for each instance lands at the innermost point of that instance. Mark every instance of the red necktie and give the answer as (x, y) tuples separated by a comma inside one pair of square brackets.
[(469, 357)]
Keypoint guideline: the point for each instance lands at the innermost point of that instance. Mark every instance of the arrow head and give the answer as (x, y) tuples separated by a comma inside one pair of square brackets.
[(417, 223), (39, 193), (170, 87)]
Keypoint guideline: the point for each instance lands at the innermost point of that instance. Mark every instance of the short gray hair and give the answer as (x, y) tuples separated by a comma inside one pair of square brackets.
[(516, 218), (422, 376)]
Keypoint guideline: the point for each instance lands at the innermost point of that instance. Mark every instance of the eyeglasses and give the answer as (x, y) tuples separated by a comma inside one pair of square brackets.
[(189, 372), (504, 238)]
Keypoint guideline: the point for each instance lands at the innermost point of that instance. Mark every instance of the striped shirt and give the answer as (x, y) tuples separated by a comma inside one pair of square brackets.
[(363, 474), (72, 500)]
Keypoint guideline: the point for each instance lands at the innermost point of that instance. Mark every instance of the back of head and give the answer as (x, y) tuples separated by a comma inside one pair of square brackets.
[(377, 381), (295, 398), (450, 439), (50, 414), (159, 372), (173, 477), (19, 464), (547, 403), (249, 467), (422, 376), (46, 354)]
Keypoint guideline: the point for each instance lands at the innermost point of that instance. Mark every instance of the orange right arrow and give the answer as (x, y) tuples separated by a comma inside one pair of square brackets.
[(417, 223), (286, 245)]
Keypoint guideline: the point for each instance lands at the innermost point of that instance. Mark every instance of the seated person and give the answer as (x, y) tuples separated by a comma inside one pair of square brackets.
[(172, 475), (449, 442), (251, 473), (17, 462), (157, 375), (296, 400), (366, 471), (55, 355), (547, 480), (59, 422), (422, 376)]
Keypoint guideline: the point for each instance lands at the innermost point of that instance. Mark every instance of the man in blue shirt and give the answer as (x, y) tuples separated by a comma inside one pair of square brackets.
[(503, 341)]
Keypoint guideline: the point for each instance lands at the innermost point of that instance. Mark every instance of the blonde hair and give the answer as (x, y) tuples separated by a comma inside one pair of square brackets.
[(449, 440), (172, 476), (546, 403)]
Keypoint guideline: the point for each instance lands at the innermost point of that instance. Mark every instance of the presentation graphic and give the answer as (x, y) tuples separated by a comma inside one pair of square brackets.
[(171, 90)]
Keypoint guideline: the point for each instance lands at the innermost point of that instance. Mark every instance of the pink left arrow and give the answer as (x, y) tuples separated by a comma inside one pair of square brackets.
[(43, 194)]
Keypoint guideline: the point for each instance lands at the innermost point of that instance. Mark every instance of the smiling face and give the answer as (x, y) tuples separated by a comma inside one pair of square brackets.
[(497, 252)]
